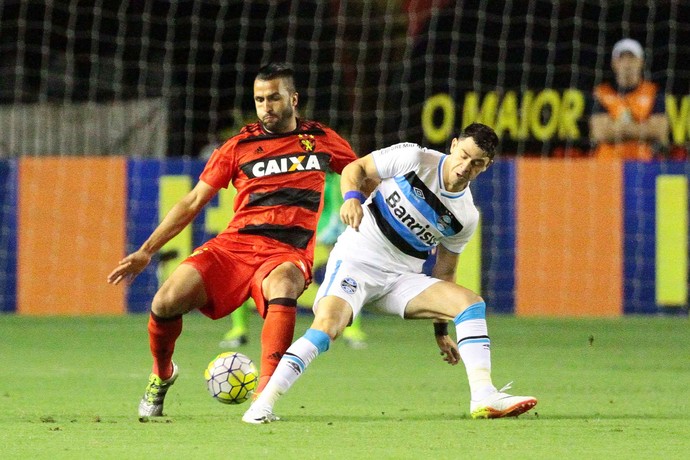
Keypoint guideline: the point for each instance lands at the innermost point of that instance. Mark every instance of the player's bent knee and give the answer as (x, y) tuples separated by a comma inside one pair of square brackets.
[(332, 316), (467, 302), (286, 280), (330, 327), (173, 300), (164, 304), (462, 297)]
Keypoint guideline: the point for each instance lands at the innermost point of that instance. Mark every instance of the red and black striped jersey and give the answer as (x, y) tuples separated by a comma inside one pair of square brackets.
[(279, 179)]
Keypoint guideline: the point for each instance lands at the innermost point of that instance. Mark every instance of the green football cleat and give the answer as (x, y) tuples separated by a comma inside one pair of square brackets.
[(355, 338), (151, 405), (235, 337)]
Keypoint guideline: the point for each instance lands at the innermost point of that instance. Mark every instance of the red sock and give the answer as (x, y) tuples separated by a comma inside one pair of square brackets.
[(163, 332), (276, 335)]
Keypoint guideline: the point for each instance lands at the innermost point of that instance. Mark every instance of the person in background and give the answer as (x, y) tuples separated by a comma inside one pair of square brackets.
[(629, 120), (238, 334)]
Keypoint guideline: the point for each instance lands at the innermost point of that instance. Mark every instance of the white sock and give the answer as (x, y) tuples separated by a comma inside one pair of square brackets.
[(475, 350), (292, 364)]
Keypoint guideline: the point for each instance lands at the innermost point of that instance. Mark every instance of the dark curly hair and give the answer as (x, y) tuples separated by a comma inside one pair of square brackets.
[(484, 136)]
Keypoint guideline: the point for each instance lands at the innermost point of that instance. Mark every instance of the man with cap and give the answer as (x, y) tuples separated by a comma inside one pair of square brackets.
[(629, 119)]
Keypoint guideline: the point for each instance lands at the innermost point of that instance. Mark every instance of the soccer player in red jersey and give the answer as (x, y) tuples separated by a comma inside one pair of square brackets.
[(278, 166)]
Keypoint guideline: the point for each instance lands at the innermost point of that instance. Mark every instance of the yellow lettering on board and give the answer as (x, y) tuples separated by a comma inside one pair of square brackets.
[(507, 118), (438, 134), (572, 109), (678, 118), (471, 111), (525, 106), (543, 132)]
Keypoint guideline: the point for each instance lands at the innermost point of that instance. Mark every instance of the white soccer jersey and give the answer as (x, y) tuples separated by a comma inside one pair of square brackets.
[(409, 212)]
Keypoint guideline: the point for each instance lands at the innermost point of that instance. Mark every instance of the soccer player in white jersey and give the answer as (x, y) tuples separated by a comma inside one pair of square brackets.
[(423, 201)]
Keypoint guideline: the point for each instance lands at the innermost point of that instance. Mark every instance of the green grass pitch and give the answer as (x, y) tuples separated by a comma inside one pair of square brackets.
[(618, 388)]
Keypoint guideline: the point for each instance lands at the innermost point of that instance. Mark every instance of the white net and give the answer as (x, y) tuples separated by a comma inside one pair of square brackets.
[(174, 78), (367, 68)]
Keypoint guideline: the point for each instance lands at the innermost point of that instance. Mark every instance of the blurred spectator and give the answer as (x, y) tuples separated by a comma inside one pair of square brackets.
[(629, 119)]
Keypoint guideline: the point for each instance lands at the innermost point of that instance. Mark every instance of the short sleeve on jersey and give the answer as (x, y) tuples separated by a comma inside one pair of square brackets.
[(397, 159), (341, 152), (457, 243), (218, 170)]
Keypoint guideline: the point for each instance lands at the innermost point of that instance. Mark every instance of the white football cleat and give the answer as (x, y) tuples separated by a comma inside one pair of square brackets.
[(259, 414), (500, 404)]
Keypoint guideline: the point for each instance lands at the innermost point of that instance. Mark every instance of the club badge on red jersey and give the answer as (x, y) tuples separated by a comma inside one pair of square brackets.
[(307, 142)]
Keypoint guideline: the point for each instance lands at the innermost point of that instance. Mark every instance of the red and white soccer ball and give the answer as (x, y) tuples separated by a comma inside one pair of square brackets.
[(231, 378)]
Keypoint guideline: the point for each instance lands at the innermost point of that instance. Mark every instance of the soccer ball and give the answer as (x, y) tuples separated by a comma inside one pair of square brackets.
[(231, 378)]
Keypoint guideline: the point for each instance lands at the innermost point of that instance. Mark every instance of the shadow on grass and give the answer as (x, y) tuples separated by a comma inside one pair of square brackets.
[(304, 416), (446, 417)]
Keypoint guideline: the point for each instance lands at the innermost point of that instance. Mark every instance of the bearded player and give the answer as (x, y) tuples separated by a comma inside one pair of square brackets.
[(278, 166)]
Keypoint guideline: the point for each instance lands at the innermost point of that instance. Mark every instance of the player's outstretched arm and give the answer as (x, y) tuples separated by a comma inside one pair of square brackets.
[(355, 179), (351, 213), (444, 269), (446, 264), (129, 267), (177, 219)]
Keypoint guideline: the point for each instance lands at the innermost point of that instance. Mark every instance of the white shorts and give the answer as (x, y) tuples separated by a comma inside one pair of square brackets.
[(360, 283)]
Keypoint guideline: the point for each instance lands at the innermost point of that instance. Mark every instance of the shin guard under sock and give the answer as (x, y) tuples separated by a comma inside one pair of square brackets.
[(163, 332), (276, 335)]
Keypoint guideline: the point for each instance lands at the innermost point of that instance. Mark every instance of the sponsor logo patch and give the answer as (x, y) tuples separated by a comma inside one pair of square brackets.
[(295, 368), (443, 222), (286, 164), (349, 285), (417, 228), (198, 251)]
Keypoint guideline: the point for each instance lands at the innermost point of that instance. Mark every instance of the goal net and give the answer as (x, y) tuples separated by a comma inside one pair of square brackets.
[(371, 69), (174, 79)]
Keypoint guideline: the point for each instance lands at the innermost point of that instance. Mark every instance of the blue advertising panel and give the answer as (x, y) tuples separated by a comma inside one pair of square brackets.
[(144, 198), (640, 238), (8, 236), (494, 195)]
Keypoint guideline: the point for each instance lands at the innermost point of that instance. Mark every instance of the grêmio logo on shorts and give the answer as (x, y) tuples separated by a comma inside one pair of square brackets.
[(348, 285), (286, 164)]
